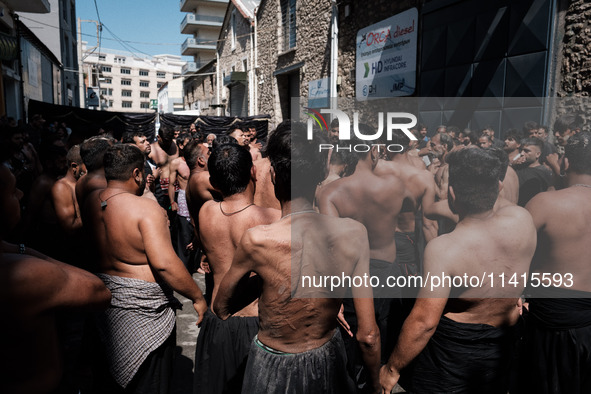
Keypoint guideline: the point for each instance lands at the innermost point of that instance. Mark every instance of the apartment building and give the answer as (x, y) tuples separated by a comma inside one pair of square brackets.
[(127, 82), (203, 20)]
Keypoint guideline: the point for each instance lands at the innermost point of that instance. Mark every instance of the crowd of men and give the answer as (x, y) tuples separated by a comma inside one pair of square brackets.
[(97, 237)]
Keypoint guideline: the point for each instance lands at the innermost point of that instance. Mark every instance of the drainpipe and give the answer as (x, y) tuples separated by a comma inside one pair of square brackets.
[(20, 67), (256, 64), (217, 85), (251, 81), (334, 55)]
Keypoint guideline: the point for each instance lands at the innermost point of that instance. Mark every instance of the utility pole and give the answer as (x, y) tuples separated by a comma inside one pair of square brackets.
[(99, 27)]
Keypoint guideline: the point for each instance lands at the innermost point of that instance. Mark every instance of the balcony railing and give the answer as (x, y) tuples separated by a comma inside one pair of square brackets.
[(192, 22), (190, 5), (193, 45)]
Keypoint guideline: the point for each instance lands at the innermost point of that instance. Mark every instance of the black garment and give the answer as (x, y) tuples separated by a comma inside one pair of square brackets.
[(546, 150), (153, 377), (322, 370), (463, 358), (532, 180), (558, 345), (221, 353), (407, 253), (182, 237)]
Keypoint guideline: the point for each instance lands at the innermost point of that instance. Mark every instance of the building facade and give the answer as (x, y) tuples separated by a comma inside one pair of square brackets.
[(202, 21), (61, 42), (127, 82), (503, 49), (170, 96)]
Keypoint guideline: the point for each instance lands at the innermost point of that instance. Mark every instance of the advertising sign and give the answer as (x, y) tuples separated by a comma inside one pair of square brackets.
[(318, 92), (387, 57)]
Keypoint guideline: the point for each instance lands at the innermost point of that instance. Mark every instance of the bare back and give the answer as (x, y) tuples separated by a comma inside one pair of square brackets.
[(89, 183), (375, 201), (564, 234), (220, 235), (501, 243), (332, 246)]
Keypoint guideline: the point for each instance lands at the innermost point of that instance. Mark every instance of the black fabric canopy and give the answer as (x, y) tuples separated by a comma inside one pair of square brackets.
[(86, 123)]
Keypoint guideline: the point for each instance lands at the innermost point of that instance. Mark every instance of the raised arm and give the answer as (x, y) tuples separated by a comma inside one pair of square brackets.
[(172, 179), (163, 259)]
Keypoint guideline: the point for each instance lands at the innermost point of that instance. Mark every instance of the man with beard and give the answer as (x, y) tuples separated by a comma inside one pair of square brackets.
[(534, 178), (138, 139), (138, 264)]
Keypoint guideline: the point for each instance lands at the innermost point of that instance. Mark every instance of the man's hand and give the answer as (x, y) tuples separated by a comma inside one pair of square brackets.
[(200, 307), (388, 378), (343, 322), (174, 206)]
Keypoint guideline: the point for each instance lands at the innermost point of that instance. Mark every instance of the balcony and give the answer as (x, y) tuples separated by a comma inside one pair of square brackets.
[(34, 6), (191, 5), (192, 22), (192, 46)]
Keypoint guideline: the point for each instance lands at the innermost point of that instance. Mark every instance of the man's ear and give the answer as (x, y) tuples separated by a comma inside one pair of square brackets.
[(253, 173), (137, 174), (201, 161), (272, 172), (501, 186), (451, 193), (565, 164)]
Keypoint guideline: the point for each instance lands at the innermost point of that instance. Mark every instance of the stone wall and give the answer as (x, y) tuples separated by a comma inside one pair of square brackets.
[(311, 55), (201, 89)]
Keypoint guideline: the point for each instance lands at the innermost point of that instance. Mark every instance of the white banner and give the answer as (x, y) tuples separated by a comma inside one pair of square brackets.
[(387, 57)]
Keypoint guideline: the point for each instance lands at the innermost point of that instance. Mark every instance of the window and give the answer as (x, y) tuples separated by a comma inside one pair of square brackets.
[(106, 92), (126, 71), (102, 58), (110, 103), (126, 93), (233, 30), (106, 69), (175, 76), (160, 74), (108, 81), (159, 85), (288, 24), (126, 82), (145, 84), (119, 59), (144, 73), (145, 94), (126, 104), (144, 105)]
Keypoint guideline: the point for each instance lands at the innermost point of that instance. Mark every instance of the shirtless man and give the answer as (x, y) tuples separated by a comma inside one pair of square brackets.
[(63, 194), (184, 231), (164, 151), (221, 226), (92, 151), (381, 197), (33, 288), (421, 190), (559, 327), (253, 145), (139, 266), (306, 328), (138, 139), (472, 330)]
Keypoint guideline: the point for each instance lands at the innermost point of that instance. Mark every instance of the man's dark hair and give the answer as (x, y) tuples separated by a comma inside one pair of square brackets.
[(291, 153), (128, 136), (192, 152), (229, 168), (223, 140), (334, 123), (530, 125), (446, 140), (183, 137), (92, 151), (474, 175), (121, 160), (568, 122), (166, 133), (482, 135), (73, 155), (533, 141), (232, 129), (513, 134), (503, 159), (578, 153), (452, 129)]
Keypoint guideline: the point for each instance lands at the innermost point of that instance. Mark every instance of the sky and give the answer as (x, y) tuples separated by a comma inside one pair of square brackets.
[(146, 26)]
